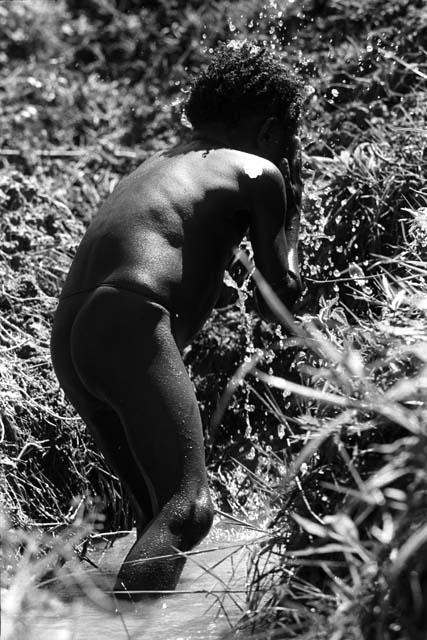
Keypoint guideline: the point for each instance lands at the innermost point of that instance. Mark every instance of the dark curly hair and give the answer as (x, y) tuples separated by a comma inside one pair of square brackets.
[(244, 79)]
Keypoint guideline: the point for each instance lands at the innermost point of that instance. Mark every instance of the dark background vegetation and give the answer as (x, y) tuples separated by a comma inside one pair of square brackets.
[(88, 90)]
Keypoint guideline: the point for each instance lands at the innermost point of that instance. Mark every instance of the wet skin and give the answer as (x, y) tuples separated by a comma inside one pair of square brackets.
[(145, 278)]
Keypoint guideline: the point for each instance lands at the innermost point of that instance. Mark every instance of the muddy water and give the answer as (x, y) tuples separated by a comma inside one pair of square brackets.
[(210, 596)]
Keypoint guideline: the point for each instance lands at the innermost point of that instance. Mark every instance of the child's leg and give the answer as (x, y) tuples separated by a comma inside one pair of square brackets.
[(108, 432), (164, 429), (125, 354), (103, 422)]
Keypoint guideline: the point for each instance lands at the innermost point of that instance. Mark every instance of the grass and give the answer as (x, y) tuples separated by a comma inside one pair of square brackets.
[(351, 527), (326, 423)]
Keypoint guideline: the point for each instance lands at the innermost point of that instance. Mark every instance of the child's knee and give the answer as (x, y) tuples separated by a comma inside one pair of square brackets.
[(192, 518)]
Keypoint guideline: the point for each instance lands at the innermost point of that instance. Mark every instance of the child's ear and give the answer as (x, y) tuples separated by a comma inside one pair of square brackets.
[(270, 131)]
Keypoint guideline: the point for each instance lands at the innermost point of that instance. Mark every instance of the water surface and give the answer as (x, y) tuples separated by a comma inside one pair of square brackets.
[(209, 599)]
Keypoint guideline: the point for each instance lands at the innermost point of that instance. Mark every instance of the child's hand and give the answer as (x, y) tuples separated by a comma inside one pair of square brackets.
[(290, 167)]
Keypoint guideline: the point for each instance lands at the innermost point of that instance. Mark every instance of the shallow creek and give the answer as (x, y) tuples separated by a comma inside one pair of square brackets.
[(210, 596)]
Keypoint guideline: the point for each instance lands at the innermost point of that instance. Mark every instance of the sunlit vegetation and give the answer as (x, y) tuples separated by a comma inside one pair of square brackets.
[(327, 423)]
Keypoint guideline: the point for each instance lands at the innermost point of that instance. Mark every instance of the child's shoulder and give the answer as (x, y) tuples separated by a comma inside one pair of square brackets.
[(254, 166), (249, 166), (252, 171), (258, 177)]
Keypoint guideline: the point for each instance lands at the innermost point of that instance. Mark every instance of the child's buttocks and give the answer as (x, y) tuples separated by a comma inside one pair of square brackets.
[(112, 328)]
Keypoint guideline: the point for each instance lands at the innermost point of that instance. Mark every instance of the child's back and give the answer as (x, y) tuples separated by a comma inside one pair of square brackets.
[(168, 229)]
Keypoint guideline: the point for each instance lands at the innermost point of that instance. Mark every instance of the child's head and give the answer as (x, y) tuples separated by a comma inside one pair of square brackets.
[(245, 84)]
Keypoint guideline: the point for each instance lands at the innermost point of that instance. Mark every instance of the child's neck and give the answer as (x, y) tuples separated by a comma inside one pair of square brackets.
[(214, 136)]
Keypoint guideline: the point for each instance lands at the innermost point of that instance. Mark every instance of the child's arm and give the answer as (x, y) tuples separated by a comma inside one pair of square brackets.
[(290, 168), (274, 232)]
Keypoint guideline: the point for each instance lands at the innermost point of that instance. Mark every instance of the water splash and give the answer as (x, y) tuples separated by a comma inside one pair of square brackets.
[(231, 26)]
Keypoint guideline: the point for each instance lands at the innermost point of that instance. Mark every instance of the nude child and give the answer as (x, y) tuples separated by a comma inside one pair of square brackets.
[(146, 276)]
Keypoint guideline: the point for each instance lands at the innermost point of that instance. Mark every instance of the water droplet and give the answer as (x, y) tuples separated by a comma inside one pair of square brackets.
[(251, 454)]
